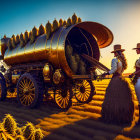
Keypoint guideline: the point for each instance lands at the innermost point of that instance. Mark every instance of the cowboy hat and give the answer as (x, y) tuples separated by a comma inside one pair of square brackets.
[(117, 48), (138, 46)]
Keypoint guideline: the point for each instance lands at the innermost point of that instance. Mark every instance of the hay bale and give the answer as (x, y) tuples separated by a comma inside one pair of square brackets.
[(74, 19), (38, 134), (48, 29), (118, 106), (69, 22), (9, 124), (55, 25), (64, 23), (82, 67), (29, 131), (14, 41), (19, 137), (26, 35), (33, 35), (17, 39), (77, 57), (69, 51), (22, 41), (10, 47), (60, 22), (79, 20), (19, 131), (30, 34), (73, 64), (41, 30)]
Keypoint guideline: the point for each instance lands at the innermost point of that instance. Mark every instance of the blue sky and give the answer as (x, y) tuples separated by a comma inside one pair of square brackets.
[(122, 17)]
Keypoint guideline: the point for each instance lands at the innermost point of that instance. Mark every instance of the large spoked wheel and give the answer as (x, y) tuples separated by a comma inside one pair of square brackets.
[(3, 88), (84, 91), (63, 97), (29, 90)]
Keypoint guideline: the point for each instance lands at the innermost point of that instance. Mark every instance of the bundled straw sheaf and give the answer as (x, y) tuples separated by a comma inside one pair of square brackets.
[(17, 39), (22, 41), (64, 23), (69, 22), (14, 41), (33, 35), (60, 22), (77, 65), (79, 20), (26, 35), (10, 44), (48, 29), (55, 25), (10, 131), (41, 30), (9, 124), (74, 19)]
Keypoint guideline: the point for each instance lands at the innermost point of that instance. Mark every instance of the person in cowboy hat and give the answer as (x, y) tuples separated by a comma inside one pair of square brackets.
[(118, 92), (136, 75), (118, 64)]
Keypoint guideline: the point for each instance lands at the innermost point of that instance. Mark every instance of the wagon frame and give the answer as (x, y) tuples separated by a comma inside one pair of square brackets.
[(34, 69)]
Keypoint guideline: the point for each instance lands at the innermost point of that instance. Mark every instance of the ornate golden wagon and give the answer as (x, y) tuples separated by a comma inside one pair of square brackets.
[(55, 64)]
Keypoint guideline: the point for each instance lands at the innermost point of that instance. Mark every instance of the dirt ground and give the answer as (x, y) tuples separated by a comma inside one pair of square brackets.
[(80, 122)]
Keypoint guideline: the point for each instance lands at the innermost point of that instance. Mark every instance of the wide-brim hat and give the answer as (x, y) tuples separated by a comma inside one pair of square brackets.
[(117, 48), (138, 46)]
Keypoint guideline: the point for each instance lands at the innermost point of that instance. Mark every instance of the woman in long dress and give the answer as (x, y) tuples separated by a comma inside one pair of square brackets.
[(118, 106), (137, 77)]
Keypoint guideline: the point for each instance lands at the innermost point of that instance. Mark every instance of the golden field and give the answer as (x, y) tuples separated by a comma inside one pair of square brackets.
[(80, 122)]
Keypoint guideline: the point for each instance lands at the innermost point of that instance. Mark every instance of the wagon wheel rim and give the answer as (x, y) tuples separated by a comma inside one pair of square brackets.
[(83, 91), (26, 91), (62, 97)]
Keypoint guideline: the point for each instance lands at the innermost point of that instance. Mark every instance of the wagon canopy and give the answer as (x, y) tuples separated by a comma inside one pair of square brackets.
[(103, 35)]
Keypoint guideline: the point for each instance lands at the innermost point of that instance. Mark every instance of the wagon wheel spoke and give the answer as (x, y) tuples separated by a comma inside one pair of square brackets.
[(84, 92), (63, 98), (26, 91)]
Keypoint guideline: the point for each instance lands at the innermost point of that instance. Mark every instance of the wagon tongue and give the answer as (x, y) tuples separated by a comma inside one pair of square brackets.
[(94, 62)]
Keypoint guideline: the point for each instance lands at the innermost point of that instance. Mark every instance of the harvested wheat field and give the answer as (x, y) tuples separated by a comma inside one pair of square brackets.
[(80, 122)]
